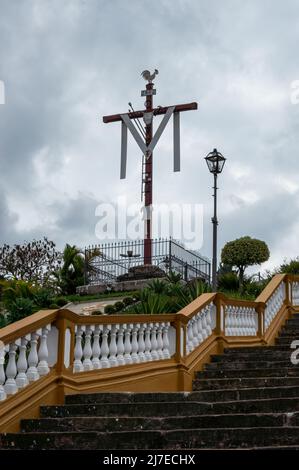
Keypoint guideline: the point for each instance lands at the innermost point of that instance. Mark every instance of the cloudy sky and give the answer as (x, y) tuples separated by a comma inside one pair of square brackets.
[(66, 63)]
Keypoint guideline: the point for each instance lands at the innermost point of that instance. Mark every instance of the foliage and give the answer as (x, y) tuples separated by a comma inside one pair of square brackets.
[(128, 301), (61, 301), (33, 261), (244, 252), (96, 312), (238, 295), (152, 303), (253, 288), (20, 308), (228, 281), (157, 286), (71, 274), (109, 309), (174, 278), (190, 292), (43, 297), (118, 306), (291, 267), (3, 321)]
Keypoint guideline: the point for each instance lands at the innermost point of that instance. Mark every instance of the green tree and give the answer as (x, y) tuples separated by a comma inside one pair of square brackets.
[(291, 267), (244, 252), (33, 261)]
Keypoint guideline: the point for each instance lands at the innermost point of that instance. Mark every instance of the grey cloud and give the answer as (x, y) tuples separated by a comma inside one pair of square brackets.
[(65, 64)]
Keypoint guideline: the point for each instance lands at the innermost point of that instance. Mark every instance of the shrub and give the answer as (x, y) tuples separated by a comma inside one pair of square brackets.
[(20, 308), (61, 301), (228, 281), (109, 309), (119, 306), (157, 286), (291, 267), (253, 288), (97, 312), (136, 296), (43, 297), (52, 306), (128, 301), (3, 321)]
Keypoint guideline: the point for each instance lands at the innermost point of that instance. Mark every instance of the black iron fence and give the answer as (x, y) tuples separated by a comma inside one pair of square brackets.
[(106, 262)]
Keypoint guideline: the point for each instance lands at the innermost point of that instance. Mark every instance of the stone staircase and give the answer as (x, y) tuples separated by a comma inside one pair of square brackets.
[(246, 398)]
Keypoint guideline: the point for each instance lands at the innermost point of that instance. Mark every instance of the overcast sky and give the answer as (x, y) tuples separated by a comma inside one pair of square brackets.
[(66, 63)]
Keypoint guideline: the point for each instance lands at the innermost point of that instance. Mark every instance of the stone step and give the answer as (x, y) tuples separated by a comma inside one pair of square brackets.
[(236, 365), (292, 371), (173, 408), (290, 331), (243, 383), (228, 438), (128, 397), (247, 357), (207, 395), (254, 350), (98, 424), (284, 341)]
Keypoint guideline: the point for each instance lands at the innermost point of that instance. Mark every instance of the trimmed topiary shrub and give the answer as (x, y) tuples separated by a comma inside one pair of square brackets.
[(97, 312), (128, 301), (109, 309), (119, 306), (52, 306)]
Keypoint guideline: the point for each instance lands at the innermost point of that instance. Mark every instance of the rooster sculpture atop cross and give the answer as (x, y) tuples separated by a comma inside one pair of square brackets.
[(149, 76)]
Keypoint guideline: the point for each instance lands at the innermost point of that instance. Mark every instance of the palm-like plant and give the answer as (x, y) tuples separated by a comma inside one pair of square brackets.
[(71, 274), (190, 292)]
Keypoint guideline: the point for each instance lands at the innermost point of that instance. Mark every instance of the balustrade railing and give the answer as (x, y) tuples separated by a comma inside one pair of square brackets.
[(63, 342), (26, 359), (240, 319), (111, 345)]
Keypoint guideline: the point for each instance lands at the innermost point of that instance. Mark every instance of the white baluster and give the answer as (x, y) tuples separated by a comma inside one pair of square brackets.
[(134, 355), (2, 374), (43, 354), (154, 343), (141, 343), (128, 346), (189, 337), (21, 379), (195, 332), (198, 320), (87, 351), (165, 339), (120, 346), (113, 347), (209, 320), (78, 352), (227, 321), (32, 372), (204, 324), (160, 340), (10, 386), (96, 349), (105, 348), (147, 342)]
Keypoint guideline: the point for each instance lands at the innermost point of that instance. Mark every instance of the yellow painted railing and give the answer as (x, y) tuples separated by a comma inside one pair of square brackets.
[(57, 352)]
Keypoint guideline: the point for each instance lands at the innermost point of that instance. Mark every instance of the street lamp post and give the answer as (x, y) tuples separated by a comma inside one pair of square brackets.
[(215, 161)]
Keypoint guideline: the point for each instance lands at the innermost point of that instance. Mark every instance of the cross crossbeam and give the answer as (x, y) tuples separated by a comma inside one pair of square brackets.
[(156, 111)]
